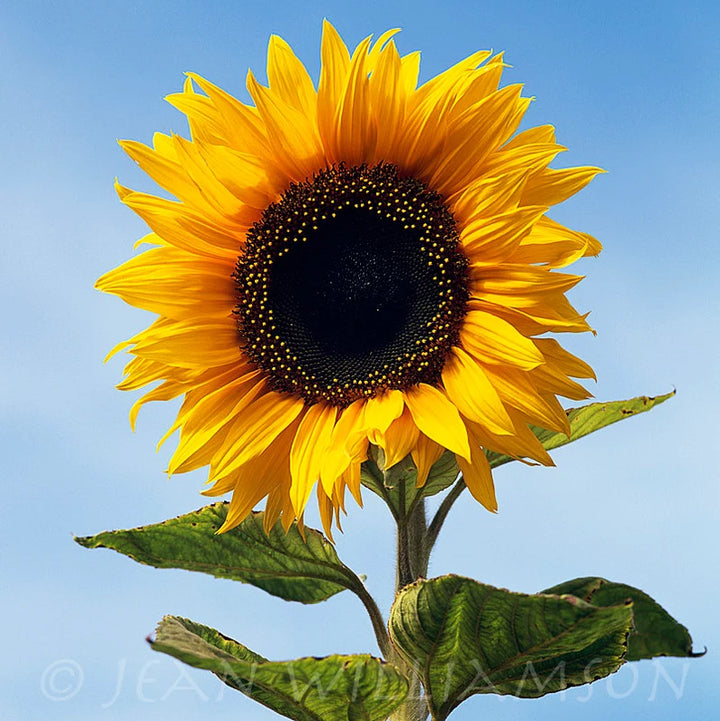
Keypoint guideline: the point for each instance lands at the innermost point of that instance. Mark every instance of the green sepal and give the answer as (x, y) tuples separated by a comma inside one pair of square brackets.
[(655, 632), (463, 638), (397, 485), (357, 688), (587, 419), (296, 568)]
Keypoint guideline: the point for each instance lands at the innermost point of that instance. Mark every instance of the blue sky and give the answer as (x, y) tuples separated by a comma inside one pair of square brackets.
[(632, 87)]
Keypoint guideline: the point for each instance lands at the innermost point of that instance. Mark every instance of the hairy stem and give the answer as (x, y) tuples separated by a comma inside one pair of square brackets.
[(413, 554), (447, 503), (378, 623), (415, 707)]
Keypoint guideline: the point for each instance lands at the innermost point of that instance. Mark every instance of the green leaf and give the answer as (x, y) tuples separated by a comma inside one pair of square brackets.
[(588, 419), (357, 688), (443, 474), (655, 631), (285, 565), (464, 637), (397, 485)]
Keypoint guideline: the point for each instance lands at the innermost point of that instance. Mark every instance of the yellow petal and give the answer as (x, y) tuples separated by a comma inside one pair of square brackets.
[(443, 85), (409, 71), (494, 239), (273, 508), (566, 361), (140, 371), (258, 478), (347, 441), (179, 380), (521, 282), (481, 129), (382, 410), (522, 444), (185, 228), (550, 379), (246, 495), (516, 389), (308, 450), (532, 136), (219, 203), (428, 114), (292, 134), (355, 128), (535, 318), (263, 421), (213, 412), (550, 186), (553, 375), (191, 343), (399, 439), (493, 340), (288, 77), (174, 283), (377, 48), (472, 393), (425, 454), (515, 157), (241, 124), (477, 474), (437, 417), (333, 74), (166, 172), (351, 478), (481, 82), (325, 506), (555, 245), (388, 99), (243, 174), (488, 196), (478, 478), (204, 455), (164, 392), (205, 122)]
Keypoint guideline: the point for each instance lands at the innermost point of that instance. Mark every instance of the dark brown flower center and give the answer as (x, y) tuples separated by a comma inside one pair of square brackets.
[(352, 283)]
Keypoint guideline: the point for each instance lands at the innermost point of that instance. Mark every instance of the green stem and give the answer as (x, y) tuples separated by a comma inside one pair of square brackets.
[(413, 555), (413, 552), (414, 708), (378, 623), (415, 543), (415, 540)]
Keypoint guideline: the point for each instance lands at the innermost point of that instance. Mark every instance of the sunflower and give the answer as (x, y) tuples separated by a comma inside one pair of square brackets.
[(366, 263)]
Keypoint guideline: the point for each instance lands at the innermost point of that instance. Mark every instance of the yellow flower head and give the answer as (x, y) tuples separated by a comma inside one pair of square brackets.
[(368, 262)]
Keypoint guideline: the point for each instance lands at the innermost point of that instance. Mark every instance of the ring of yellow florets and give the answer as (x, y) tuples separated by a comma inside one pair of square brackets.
[(351, 284)]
